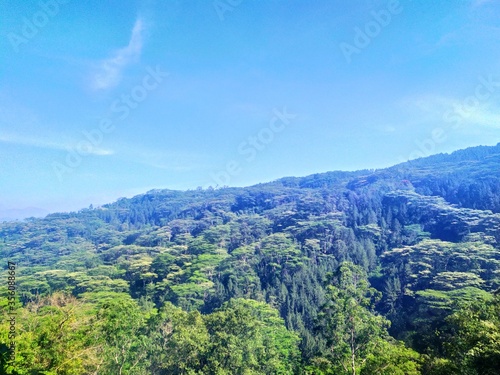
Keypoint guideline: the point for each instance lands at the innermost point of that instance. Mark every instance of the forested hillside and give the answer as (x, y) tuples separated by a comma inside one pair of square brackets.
[(392, 271)]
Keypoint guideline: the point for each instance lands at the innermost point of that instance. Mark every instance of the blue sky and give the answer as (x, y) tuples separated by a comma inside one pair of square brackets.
[(100, 100)]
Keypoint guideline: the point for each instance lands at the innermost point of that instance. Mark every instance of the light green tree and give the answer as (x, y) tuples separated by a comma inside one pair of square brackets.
[(357, 338)]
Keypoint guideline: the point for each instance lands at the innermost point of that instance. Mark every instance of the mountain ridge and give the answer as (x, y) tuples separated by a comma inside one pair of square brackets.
[(413, 250)]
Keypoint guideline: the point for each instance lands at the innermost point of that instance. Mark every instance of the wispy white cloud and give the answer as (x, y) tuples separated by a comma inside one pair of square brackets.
[(438, 109), (433, 104), (388, 129), (52, 145), (109, 71), (485, 118)]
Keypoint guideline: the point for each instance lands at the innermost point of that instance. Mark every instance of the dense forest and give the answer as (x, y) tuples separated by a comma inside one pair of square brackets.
[(391, 271)]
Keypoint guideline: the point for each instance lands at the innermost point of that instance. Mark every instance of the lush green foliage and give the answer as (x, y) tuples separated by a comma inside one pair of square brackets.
[(371, 272)]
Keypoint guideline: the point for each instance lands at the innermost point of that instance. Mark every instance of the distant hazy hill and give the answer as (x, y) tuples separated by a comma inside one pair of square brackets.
[(21, 213)]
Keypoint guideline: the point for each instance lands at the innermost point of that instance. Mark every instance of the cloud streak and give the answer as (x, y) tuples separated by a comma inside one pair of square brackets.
[(109, 71), (434, 108), (51, 145)]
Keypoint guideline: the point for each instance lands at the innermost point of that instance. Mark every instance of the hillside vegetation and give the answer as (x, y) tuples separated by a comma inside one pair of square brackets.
[(392, 271)]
